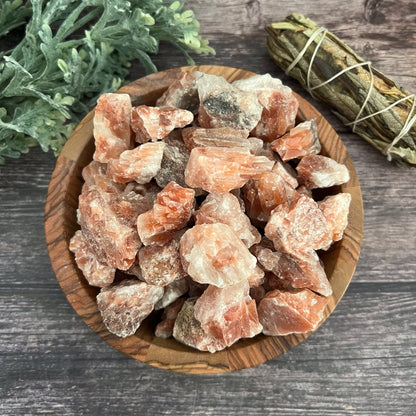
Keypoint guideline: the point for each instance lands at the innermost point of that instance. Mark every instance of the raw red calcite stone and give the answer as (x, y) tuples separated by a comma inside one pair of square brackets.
[(172, 292), (298, 226), (112, 235), (317, 171), (220, 137), (140, 164), (273, 190), (291, 311), (279, 105), (213, 254), (125, 305), (301, 141), (95, 174), (161, 265), (220, 169), (252, 203), (164, 329), (97, 273), (335, 209), (223, 105), (126, 201), (182, 93), (286, 172), (171, 212), (112, 131), (154, 123), (300, 269), (226, 209), (228, 314), (174, 161), (187, 330)]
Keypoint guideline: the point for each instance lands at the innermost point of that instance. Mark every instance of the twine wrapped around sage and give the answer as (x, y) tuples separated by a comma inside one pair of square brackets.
[(373, 105)]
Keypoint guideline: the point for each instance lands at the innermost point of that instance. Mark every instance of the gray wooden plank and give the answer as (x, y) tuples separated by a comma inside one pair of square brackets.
[(54, 363)]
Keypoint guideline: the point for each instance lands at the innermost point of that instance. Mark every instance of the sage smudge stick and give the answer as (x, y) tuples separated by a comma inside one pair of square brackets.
[(372, 104)]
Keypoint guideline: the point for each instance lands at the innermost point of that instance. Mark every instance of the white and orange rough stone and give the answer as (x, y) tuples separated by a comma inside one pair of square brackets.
[(171, 211), (228, 314), (279, 105), (273, 190), (112, 235), (220, 137), (317, 171), (223, 105), (298, 226), (335, 209), (140, 164), (213, 254), (220, 169), (300, 269), (187, 330), (125, 305), (283, 312), (300, 141), (154, 123), (111, 123), (226, 208), (97, 273), (161, 265)]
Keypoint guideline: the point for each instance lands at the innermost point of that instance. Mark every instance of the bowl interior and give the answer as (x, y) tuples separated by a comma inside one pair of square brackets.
[(60, 225)]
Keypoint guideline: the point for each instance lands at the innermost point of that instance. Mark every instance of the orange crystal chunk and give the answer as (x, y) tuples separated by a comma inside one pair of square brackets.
[(125, 305), (298, 226), (226, 209), (317, 171), (188, 330), (97, 273), (140, 164), (228, 314), (220, 137), (273, 190), (220, 169), (300, 269), (279, 105), (161, 265), (117, 239), (291, 311), (335, 209), (112, 131), (301, 141), (154, 123), (223, 105), (213, 254), (171, 212)]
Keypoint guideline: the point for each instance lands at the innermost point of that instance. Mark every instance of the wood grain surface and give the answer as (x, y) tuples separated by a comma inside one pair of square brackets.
[(361, 361)]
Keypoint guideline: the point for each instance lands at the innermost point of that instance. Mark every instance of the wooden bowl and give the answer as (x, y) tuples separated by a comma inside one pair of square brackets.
[(60, 225)]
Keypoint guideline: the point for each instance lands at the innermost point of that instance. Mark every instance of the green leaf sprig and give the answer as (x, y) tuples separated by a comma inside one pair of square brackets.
[(72, 52)]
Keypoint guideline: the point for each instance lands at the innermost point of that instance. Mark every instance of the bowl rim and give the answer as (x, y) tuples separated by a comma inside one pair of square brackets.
[(60, 212)]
